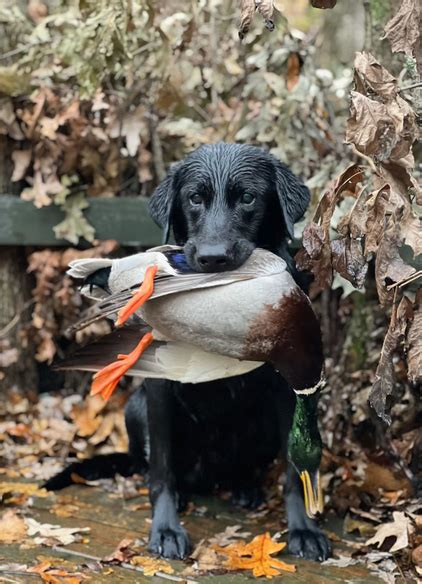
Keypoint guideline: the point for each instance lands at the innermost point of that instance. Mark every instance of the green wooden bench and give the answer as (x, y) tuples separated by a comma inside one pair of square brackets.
[(124, 219)]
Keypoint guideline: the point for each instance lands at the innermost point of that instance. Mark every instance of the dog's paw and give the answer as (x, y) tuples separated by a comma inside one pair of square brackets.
[(309, 544), (169, 542)]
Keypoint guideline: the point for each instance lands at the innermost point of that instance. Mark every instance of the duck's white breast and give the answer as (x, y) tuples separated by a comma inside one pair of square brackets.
[(218, 319)]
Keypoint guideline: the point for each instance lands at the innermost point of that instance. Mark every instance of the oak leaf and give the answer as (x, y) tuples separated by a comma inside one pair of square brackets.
[(256, 556), (404, 30), (400, 528)]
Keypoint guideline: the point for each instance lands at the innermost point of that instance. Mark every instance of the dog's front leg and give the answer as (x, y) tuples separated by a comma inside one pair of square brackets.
[(167, 536)]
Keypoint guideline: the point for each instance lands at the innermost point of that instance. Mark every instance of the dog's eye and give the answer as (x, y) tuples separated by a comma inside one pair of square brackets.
[(196, 199), (247, 199)]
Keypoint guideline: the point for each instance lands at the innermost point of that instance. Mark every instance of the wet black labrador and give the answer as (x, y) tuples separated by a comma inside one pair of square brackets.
[(221, 202)]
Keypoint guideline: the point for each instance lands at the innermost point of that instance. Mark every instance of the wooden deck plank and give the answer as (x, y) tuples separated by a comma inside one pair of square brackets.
[(124, 219), (112, 519)]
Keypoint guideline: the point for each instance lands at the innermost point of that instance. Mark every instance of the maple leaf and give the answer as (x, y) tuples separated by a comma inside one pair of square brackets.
[(256, 556), (151, 566)]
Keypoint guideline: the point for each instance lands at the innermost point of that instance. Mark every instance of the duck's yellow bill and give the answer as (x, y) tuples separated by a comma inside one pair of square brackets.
[(314, 501)]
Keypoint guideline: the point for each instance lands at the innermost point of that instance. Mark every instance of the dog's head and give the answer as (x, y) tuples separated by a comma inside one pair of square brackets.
[(224, 200)]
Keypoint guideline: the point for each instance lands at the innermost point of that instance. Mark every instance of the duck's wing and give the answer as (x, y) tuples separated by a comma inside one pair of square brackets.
[(261, 263), (161, 360)]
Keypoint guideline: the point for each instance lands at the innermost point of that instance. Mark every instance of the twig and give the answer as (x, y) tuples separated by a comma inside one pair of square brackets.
[(406, 281), (414, 86), (68, 552), (5, 330), (368, 25)]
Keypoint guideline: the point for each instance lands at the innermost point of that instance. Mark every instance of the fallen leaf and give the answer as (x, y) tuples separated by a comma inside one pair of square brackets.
[(12, 527), (340, 562), (122, 553), (417, 556), (52, 575), (229, 535), (29, 489), (400, 528), (256, 556), (151, 566), (53, 534), (206, 558)]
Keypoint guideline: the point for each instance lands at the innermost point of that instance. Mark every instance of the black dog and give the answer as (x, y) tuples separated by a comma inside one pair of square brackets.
[(221, 202)]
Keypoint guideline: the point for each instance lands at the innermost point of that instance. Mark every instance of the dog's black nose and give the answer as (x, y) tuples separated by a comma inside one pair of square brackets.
[(213, 258)]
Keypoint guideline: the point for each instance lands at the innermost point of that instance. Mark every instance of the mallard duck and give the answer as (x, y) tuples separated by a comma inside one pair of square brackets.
[(193, 327)]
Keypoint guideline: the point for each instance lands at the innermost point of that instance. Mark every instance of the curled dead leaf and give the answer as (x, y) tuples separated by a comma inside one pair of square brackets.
[(404, 30), (414, 339), (384, 375)]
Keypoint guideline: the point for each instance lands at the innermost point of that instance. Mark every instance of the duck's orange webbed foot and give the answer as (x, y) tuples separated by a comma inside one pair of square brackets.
[(105, 381), (140, 297)]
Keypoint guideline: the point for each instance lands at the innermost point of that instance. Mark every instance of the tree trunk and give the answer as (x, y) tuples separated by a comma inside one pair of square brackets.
[(15, 286)]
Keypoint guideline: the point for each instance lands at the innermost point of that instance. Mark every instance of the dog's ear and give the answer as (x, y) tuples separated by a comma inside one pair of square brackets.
[(293, 195), (162, 201)]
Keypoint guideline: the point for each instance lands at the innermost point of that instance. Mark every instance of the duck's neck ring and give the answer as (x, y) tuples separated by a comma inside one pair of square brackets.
[(311, 390)]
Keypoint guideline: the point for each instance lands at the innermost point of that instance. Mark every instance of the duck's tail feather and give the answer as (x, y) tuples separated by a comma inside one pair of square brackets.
[(97, 354)]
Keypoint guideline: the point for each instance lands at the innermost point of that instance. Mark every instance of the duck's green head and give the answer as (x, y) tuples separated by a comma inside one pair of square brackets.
[(305, 451)]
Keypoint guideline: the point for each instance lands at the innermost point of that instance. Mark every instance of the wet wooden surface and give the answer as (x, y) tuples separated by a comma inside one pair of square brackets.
[(111, 519)]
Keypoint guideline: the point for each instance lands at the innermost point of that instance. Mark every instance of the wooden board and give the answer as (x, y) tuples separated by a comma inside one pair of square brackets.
[(111, 518), (124, 219)]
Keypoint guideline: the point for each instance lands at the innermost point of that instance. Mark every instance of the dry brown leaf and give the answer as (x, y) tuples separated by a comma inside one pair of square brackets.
[(256, 556), (417, 556), (293, 70), (382, 124), (400, 528), (30, 489), (21, 160), (122, 553), (151, 566), (384, 375), (389, 265), (323, 3), (206, 558), (266, 10), (53, 534), (247, 12), (52, 575), (12, 527), (404, 30), (414, 340), (319, 255), (228, 536)]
